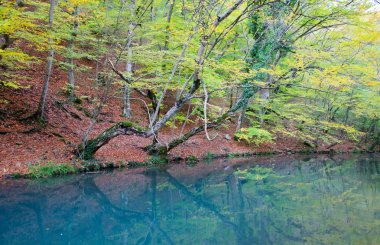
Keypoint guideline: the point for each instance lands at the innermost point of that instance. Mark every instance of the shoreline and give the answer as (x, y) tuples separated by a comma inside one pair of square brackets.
[(97, 166)]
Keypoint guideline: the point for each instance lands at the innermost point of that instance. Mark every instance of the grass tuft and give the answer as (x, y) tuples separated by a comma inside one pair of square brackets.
[(50, 169), (208, 156), (191, 160), (158, 160)]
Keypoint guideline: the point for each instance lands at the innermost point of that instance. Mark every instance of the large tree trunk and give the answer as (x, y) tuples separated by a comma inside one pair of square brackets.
[(264, 95), (241, 118), (71, 59), (71, 79), (127, 102), (171, 7), (41, 107), (88, 149), (42, 104), (126, 98)]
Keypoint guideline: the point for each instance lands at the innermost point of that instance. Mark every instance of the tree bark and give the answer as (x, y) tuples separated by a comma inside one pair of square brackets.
[(127, 102), (88, 149), (71, 79), (126, 98), (171, 7), (241, 117), (71, 59), (41, 107)]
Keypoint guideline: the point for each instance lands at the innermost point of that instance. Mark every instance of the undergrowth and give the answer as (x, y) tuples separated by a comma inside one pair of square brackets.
[(50, 169), (253, 135), (208, 156)]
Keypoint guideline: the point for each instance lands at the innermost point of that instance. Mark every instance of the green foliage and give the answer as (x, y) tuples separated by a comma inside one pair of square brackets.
[(127, 124), (50, 169), (157, 160), (208, 156), (253, 135), (110, 165), (192, 160), (233, 155), (136, 164), (10, 84), (16, 23), (321, 87), (122, 164), (91, 165), (178, 118)]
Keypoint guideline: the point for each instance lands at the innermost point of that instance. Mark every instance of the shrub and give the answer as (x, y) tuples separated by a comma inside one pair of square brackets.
[(191, 160), (137, 164), (233, 155), (91, 166), (253, 135), (158, 160), (208, 156)]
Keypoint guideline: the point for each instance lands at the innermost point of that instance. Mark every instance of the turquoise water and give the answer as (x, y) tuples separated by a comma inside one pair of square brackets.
[(266, 200)]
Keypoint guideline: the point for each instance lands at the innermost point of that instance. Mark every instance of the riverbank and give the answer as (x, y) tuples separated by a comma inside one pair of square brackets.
[(51, 169)]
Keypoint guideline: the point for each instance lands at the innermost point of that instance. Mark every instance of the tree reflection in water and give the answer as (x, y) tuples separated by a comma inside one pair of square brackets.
[(324, 201)]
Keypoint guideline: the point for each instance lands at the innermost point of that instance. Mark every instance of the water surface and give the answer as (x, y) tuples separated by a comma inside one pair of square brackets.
[(266, 200)]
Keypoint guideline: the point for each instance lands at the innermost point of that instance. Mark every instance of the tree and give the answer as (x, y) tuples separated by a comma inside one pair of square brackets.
[(211, 31), (41, 107), (127, 105), (298, 52)]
